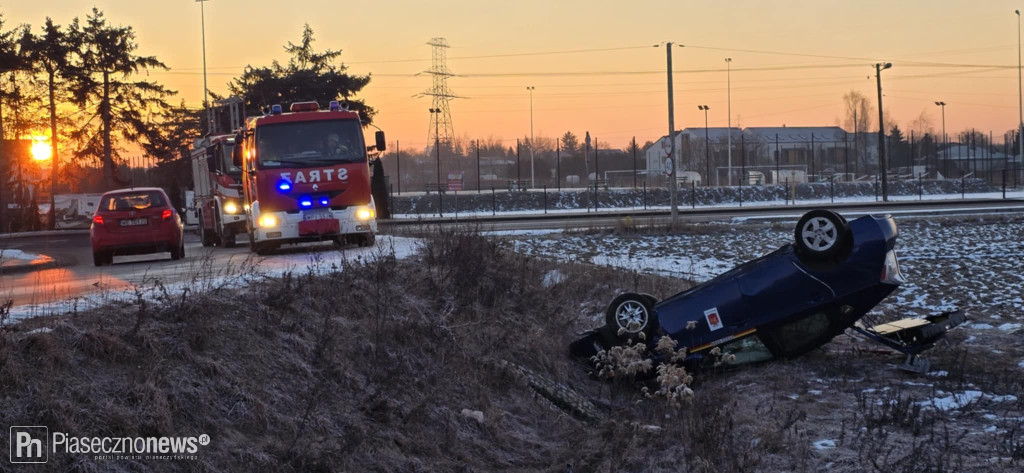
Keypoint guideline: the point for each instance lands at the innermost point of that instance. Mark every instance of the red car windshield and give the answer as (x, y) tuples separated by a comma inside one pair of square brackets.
[(132, 201)]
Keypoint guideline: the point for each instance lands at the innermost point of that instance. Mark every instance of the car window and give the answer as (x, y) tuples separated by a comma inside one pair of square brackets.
[(133, 201), (795, 335), (745, 350)]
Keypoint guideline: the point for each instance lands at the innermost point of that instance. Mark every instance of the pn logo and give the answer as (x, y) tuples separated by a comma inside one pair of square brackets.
[(29, 444)]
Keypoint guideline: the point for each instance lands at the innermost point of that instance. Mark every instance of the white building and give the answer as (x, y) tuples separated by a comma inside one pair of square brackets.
[(815, 150)]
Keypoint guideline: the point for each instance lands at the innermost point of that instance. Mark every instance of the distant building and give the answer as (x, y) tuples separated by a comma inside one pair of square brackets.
[(967, 159), (816, 150)]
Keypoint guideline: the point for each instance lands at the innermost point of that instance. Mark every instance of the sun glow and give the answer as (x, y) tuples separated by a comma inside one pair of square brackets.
[(40, 149)]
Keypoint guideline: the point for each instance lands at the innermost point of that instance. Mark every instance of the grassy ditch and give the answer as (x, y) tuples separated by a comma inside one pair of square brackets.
[(443, 362)]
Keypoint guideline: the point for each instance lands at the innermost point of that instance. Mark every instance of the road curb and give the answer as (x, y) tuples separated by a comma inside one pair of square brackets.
[(14, 236)]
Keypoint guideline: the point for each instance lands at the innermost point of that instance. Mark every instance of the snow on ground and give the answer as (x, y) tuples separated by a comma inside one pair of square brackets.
[(972, 262), (202, 275), (14, 257), (451, 211)]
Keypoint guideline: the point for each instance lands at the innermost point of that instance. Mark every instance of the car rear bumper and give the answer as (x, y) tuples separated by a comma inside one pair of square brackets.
[(134, 243), (140, 248)]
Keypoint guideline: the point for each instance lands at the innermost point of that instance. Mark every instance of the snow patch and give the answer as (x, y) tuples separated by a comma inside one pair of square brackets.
[(552, 278), (825, 444), (1009, 327)]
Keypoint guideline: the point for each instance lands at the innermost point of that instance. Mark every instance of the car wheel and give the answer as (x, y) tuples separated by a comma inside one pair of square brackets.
[(821, 234), (99, 258), (176, 253), (629, 315)]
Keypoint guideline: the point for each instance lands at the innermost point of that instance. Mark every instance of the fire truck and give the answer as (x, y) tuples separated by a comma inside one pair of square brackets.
[(305, 177), (217, 184)]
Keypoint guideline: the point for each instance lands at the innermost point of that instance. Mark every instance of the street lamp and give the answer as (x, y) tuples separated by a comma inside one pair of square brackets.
[(945, 150), (533, 182), (671, 136), (728, 81), (202, 19), (707, 148), (437, 143), (882, 165), (1020, 95)]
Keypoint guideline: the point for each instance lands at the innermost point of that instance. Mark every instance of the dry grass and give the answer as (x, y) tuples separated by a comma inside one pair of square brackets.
[(369, 368)]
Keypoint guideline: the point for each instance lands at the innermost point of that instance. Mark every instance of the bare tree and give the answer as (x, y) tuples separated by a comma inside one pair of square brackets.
[(858, 111), (922, 124)]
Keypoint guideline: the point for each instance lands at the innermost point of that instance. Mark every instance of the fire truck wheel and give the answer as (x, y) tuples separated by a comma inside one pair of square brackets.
[(205, 235), (265, 249), (367, 239), (227, 240)]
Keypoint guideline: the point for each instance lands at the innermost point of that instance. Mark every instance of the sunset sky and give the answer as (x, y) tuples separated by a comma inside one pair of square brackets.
[(618, 91)]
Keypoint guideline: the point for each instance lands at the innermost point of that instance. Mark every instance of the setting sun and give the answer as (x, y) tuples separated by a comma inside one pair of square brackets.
[(40, 149)]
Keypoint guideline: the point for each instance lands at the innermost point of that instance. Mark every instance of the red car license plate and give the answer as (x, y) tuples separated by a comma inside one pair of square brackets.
[(132, 222)]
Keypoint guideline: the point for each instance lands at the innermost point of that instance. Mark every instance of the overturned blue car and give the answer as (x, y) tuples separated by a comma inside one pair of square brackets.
[(783, 304)]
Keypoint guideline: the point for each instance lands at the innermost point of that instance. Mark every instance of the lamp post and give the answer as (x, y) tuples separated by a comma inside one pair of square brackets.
[(202, 23), (728, 83), (671, 137), (437, 144), (1020, 95), (945, 149), (707, 146), (882, 165), (533, 182)]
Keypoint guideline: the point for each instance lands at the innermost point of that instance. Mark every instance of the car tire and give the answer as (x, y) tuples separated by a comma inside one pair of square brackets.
[(629, 315), (177, 253), (100, 258), (821, 234)]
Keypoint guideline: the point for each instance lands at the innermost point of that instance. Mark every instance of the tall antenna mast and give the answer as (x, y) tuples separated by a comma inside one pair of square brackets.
[(441, 130)]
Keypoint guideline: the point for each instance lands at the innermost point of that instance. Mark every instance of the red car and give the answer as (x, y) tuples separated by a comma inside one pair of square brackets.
[(134, 222)]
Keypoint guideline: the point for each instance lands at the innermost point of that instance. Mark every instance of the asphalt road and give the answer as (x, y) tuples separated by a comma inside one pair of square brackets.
[(79, 278)]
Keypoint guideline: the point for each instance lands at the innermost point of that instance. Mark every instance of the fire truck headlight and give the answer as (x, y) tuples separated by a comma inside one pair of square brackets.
[(365, 214), (268, 221), (230, 207)]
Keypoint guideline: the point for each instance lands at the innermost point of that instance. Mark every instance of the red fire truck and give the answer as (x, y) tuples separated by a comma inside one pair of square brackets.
[(217, 183), (305, 177)]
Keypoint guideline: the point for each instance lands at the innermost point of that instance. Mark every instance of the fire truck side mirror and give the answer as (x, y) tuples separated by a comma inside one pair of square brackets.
[(381, 144), (236, 154)]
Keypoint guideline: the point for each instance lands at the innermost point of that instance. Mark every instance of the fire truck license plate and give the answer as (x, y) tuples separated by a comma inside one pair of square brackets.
[(316, 215)]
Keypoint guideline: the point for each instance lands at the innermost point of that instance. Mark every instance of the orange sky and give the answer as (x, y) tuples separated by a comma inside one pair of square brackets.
[(576, 91)]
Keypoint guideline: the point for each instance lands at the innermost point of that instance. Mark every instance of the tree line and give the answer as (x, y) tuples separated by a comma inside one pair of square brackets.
[(87, 85)]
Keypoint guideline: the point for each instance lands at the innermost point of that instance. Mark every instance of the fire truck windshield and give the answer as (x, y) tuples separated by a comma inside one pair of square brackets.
[(227, 162), (310, 143)]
